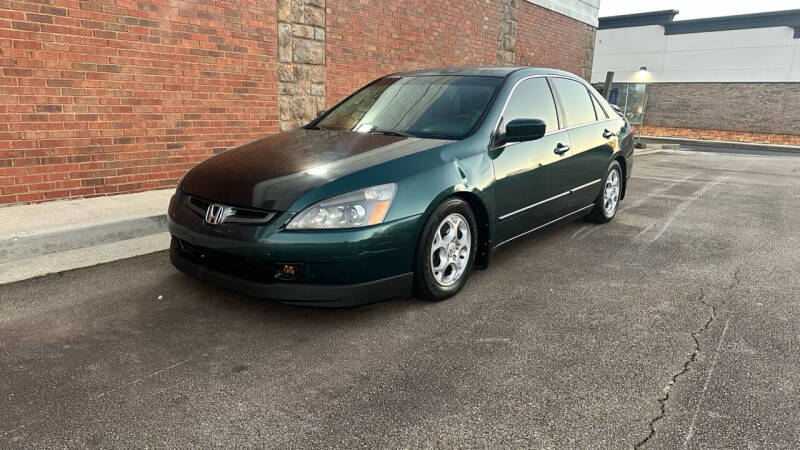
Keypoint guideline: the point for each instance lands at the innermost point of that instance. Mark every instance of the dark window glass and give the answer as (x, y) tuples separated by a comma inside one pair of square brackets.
[(577, 104), (601, 113), (532, 99), (427, 106)]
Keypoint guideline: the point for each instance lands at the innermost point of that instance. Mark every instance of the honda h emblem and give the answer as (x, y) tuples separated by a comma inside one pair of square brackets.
[(215, 214)]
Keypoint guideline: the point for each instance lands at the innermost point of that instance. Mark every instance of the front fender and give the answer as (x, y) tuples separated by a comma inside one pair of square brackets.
[(424, 180), (472, 180)]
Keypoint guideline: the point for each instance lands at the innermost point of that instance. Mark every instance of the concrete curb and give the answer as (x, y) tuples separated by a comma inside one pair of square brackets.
[(32, 245), (82, 257), (724, 144), (45, 238), (659, 146), (643, 152)]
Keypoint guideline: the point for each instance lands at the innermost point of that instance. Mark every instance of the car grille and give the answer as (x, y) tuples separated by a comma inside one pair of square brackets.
[(235, 265), (237, 214)]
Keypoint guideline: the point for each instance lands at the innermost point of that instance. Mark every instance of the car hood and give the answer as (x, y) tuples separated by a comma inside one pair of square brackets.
[(273, 172)]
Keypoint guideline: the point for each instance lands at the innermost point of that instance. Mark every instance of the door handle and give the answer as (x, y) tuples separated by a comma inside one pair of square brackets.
[(608, 134), (561, 149)]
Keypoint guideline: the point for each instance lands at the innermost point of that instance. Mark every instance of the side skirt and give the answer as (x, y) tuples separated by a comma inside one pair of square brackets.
[(566, 216)]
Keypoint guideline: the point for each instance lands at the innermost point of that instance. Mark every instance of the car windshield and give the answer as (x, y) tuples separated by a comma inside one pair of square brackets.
[(446, 107)]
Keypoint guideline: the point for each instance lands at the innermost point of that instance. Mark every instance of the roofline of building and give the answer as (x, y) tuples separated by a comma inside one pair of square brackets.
[(665, 18), (637, 20)]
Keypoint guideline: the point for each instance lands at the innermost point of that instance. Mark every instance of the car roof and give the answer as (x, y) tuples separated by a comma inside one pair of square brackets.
[(487, 71)]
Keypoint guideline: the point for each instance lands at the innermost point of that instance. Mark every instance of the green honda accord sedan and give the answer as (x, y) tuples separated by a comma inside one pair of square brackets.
[(403, 188)]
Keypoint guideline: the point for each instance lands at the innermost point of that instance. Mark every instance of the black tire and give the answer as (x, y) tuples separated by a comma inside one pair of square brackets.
[(425, 284), (599, 214)]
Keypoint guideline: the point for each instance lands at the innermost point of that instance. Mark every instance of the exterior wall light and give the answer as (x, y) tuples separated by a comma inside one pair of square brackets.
[(642, 75)]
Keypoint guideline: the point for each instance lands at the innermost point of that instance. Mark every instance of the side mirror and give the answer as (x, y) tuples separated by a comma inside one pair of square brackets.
[(520, 130)]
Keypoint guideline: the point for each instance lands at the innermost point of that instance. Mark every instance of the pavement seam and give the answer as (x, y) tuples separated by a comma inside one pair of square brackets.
[(683, 205), (139, 380), (692, 358)]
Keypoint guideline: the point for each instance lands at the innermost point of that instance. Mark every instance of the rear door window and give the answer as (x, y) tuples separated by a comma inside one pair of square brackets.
[(601, 113), (578, 106)]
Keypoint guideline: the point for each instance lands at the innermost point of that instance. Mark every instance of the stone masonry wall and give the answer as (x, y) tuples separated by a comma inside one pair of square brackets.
[(507, 40), (100, 97), (301, 61), (587, 61)]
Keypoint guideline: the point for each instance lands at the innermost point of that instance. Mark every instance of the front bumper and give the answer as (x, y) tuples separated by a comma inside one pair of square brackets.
[(337, 267), (296, 294)]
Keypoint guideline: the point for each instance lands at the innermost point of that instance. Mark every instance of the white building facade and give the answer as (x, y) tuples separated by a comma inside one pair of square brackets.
[(701, 74)]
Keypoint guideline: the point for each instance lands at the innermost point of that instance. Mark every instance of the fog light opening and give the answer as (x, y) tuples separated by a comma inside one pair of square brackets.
[(289, 271)]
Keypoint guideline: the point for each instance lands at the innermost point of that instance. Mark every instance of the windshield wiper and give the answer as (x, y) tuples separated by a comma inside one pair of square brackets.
[(391, 133)]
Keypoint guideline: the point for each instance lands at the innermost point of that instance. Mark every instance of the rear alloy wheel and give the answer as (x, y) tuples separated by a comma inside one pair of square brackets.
[(446, 250), (607, 202)]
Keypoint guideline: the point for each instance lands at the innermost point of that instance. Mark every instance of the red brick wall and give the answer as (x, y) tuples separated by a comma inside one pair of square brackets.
[(736, 108), (720, 135), (107, 96), (367, 39), (549, 39)]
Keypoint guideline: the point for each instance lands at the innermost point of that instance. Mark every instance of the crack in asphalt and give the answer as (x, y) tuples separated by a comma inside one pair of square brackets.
[(736, 279), (662, 402), (688, 438)]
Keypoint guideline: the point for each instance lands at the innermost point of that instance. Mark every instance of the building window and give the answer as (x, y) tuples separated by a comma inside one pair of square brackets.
[(631, 98)]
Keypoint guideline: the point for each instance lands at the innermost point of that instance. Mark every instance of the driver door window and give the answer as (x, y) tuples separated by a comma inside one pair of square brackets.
[(532, 99)]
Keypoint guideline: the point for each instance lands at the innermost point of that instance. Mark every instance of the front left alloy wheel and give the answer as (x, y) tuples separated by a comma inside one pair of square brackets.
[(446, 250)]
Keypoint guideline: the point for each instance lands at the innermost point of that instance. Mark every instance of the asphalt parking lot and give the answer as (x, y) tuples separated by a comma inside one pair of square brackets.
[(676, 325)]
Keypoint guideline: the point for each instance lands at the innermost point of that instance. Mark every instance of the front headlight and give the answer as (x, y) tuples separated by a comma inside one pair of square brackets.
[(351, 210)]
